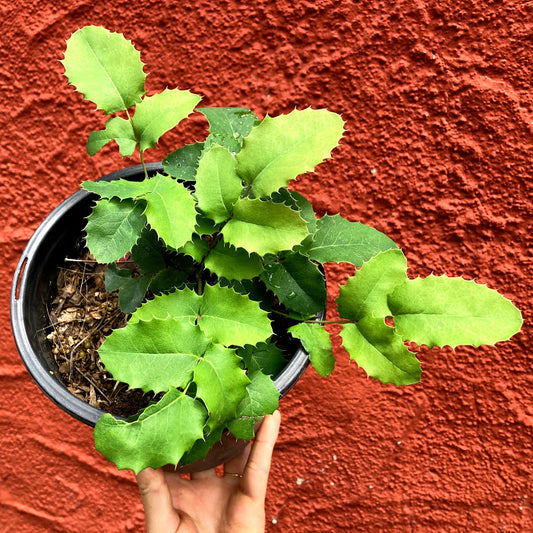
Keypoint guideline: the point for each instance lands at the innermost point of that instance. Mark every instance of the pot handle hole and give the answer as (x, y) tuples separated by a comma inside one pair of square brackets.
[(18, 276)]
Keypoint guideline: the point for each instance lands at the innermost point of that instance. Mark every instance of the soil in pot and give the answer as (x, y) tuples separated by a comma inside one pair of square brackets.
[(82, 314)]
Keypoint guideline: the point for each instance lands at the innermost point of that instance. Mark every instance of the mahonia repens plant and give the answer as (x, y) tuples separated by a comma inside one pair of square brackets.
[(222, 246)]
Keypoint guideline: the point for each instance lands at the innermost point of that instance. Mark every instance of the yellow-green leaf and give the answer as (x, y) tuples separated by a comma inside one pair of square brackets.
[(105, 68), (280, 148)]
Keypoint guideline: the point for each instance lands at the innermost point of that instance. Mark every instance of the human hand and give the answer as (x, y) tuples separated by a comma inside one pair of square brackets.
[(207, 503)]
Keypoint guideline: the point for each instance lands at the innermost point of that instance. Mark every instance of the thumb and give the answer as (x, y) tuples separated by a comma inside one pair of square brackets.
[(157, 501)]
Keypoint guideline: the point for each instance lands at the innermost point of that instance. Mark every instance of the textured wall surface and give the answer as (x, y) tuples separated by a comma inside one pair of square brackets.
[(437, 100)]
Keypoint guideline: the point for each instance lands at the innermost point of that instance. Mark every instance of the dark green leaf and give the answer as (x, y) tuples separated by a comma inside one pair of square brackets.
[(201, 447), (115, 277), (338, 240), (298, 283), (168, 280), (113, 228), (267, 356), (132, 293), (261, 398), (183, 162), (149, 252)]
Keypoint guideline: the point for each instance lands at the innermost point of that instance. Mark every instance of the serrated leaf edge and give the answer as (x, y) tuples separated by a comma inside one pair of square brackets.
[(473, 281), (130, 41)]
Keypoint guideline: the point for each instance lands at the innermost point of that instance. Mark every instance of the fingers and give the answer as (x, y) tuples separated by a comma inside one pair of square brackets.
[(204, 474), (255, 478), (159, 512), (237, 464)]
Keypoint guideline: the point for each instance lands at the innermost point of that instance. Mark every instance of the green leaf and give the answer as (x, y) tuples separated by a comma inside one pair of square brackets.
[(221, 383), (157, 114), (154, 355), (149, 252), (113, 228), (338, 240), (222, 314), (267, 356), (380, 352), (132, 290), (297, 201), (197, 248), (132, 293), (183, 162), (105, 68), (182, 304), (439, 311), (201, 447), (205, 226), (281, 148), (229, 262), (217, 185), (261, 398), (366, 293), (254, 288), (170, 211), (117, 129), (228, 126), (115, 277), (170, 207), (161, 434), (298, 283), (264, 227), (316, 342), (168, 280), (123, 189), (230, 318)]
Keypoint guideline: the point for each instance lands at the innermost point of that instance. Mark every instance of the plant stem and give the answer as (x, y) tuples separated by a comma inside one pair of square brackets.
[(144, 166), (138, 144), (313, 321), (329, 321), (200, 286)]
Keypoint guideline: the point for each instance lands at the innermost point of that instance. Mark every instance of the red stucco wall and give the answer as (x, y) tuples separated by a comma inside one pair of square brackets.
[(437, 100)]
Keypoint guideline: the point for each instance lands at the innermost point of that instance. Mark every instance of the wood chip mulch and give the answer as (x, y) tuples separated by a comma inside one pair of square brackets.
[(81, 315)]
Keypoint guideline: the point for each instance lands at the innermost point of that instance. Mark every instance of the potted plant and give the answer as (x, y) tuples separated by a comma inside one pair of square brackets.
[(215, 259)]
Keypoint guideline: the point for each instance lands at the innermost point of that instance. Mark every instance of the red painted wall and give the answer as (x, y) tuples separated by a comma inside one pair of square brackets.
[(437, 100)]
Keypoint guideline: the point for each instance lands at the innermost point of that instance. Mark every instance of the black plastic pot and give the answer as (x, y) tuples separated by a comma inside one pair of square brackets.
[(34, 285)]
